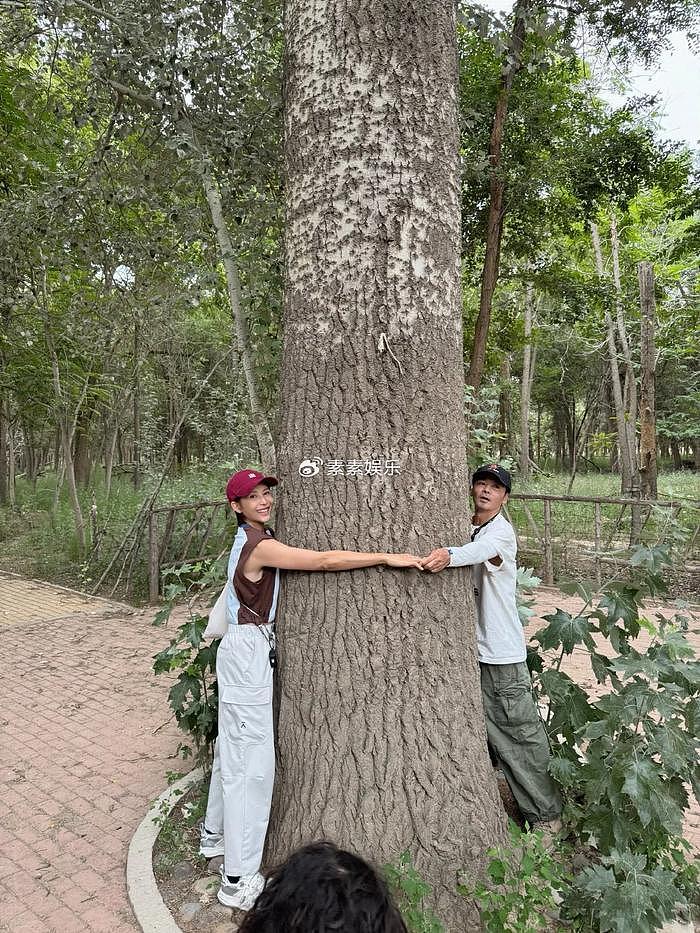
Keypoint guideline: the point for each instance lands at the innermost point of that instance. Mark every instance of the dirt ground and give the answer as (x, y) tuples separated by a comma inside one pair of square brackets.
[(188, 883)]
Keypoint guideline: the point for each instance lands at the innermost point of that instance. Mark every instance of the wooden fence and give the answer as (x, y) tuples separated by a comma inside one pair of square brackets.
[(179, 534), (597, 530), (558, 534)]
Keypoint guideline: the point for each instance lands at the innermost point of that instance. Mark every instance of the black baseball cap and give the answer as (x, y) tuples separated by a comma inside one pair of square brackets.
[(495, 472)]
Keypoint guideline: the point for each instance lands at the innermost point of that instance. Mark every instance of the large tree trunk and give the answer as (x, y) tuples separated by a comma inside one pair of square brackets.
[(647, 434), (494, 224), (381, 736)]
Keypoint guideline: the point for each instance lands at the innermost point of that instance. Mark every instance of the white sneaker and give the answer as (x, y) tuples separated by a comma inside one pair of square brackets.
[(210, 844), (241, 895)]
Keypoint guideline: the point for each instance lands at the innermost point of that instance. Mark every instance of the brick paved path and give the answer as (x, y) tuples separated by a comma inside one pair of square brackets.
[(83, 752), (80, 757)]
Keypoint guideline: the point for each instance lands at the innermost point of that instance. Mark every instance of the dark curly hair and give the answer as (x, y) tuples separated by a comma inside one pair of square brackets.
[(324, 889)]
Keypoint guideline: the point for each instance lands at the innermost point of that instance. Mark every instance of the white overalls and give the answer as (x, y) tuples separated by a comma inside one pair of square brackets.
[(243, 773)]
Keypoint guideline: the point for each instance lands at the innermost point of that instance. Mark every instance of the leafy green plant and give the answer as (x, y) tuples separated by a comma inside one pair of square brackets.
[(176, 823), (193, 697), (524, 881), (410, 891), (525, 581), (625, 758)]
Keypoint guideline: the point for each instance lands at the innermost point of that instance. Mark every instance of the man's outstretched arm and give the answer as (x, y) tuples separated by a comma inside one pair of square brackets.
[(476, 552)]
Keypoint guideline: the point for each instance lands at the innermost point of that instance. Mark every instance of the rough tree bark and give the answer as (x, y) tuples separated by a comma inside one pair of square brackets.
[(497, 188), (381, 737), (647, 434)]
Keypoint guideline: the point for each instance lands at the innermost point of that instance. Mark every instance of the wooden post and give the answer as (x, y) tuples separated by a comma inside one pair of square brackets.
[(153, 558), (647, 438), (548, 557), (596, 542)]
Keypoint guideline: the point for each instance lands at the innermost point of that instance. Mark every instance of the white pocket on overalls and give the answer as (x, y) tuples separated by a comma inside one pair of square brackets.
[(248, 711)]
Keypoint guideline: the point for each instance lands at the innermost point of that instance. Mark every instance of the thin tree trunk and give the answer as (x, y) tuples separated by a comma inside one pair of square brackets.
[(526, 385), (109, 457), (11, 465), (4, 466), (136, 402), (676, 454), (505, 427), (625, 465), (630, 380), (63, 423), (261, 426), (81, 450), (497, 209), (647, 434), (203, 168), (372, 375)]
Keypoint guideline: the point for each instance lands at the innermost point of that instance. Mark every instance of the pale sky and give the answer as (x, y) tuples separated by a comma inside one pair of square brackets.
[(676, 78)]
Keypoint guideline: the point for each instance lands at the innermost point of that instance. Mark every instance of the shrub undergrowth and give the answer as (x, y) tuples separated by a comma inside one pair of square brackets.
[(625, 755)]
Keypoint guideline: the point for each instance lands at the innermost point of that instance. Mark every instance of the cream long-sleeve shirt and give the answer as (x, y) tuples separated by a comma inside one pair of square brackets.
[(499, 632)]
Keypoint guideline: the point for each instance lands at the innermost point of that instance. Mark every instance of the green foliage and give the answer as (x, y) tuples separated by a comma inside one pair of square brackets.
[(193, 696), (483, 415), (525, 581), (173, 845), (410, 891), (625, 894), (523, 888), (39, 534), (625, 758)]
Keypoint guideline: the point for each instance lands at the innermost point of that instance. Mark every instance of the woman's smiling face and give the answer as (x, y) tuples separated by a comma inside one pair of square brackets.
[(256, 507)]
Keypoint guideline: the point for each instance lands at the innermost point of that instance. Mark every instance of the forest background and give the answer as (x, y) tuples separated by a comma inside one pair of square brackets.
[(142, 222), (140, 244)]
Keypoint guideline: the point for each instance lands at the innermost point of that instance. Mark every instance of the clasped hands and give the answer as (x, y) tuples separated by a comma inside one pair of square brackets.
[(436, 561)]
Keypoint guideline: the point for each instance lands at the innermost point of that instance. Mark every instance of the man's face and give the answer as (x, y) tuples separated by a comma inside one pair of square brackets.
[(488, 494)]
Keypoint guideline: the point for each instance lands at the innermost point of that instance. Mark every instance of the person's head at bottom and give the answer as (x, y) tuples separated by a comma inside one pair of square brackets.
[(321, 888)]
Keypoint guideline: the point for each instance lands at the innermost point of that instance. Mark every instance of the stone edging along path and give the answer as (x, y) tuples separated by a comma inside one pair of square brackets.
[(149, 908)]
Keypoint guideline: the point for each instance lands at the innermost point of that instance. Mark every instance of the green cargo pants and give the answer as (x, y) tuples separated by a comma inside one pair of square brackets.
[(517, 739)]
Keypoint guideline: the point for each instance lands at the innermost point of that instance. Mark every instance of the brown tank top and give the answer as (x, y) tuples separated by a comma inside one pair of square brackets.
[(255, 598)]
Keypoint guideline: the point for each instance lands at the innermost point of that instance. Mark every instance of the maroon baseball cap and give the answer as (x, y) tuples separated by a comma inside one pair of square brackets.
[(244, 482), (495, 472)]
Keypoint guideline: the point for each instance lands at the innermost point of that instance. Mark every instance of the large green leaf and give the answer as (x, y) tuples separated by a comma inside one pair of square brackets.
[(566, 631)]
